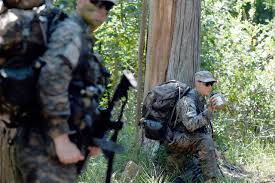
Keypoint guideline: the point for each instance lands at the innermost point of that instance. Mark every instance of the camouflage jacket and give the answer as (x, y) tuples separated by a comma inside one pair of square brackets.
[(70, 63), (192, 115)]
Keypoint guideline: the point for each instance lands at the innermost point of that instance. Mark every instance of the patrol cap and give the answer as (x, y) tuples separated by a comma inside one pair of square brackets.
[(204, 76)]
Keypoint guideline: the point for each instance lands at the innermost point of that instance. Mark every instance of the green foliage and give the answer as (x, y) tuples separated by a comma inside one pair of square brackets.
[(118, 38), (66, 5), (240, 54)]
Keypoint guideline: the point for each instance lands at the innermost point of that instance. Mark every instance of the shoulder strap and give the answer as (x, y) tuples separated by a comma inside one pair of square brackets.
[(172, 114), (48, 21), (177, 114), (150, 109)]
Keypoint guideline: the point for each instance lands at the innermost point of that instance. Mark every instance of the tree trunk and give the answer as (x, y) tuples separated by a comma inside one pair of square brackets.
[(143, 25), (184, 58), (161, 24), (173, 45), (174, 42), (8, 173)]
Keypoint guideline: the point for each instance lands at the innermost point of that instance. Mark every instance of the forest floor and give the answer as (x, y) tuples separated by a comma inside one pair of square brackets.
[(238, 173)]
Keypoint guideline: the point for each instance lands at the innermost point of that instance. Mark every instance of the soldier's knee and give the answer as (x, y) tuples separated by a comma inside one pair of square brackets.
[(207, 142), (206, 147)]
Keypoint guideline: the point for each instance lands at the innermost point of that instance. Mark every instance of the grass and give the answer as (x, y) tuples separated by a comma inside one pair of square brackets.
[(257, 161), (252, 160)]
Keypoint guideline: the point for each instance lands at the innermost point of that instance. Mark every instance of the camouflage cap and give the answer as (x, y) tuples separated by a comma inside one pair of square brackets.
[(204, 76)]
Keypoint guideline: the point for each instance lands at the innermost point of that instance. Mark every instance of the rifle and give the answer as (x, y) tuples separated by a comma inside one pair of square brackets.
[(94, 130)]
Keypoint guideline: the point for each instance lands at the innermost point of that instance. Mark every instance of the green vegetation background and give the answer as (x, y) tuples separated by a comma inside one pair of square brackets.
[(238, 47)]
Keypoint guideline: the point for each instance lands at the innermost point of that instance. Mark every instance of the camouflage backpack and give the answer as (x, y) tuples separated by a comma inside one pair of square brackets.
[(159, 106), (23, 38), (23, 4)]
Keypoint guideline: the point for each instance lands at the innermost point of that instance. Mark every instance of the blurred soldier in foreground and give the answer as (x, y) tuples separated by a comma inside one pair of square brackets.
[(190, 131), (45, 152), (24, 30)]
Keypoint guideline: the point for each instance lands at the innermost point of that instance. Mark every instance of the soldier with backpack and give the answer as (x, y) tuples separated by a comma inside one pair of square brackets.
[(25, 26), (44, 151), (191, 134), (179, 118)]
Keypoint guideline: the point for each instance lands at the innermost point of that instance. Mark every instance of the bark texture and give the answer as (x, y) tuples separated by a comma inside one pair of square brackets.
[(143, 25), (161, 24), (184, 58), (8, 173)]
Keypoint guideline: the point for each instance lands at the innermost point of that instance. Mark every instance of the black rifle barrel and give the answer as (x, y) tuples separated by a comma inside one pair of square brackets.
[(126, 82)]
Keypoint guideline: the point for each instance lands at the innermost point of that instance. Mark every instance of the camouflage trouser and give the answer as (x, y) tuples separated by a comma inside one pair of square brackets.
[(200, 145), (186, 166), (37, 162)]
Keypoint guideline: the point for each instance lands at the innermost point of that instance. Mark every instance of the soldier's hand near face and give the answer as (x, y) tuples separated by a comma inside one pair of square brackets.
[(212, 104), (67, 152)]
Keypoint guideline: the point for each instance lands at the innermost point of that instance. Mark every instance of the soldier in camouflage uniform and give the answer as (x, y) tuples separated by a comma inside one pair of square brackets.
[(44, 150), (190, 134)]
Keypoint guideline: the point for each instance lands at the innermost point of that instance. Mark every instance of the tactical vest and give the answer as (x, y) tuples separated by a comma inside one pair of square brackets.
[(88, 83)]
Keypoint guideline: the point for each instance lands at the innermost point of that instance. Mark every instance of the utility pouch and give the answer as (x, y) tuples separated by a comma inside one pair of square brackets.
[(18, 85), (154, 130)]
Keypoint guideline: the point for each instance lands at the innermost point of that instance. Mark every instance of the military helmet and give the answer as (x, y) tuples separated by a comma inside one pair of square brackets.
[(23, 4)]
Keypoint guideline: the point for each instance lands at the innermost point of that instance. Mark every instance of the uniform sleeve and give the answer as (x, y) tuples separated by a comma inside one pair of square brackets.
[(187, 114), (60, 58)]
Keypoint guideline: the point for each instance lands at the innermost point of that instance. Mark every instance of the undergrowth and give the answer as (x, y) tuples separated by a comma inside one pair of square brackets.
[(253, 157)]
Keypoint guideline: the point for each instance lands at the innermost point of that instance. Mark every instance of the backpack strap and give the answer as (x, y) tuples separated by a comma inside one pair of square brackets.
[(49, 20), (177, 115), (150, 109), (172, 113), (43, 26)]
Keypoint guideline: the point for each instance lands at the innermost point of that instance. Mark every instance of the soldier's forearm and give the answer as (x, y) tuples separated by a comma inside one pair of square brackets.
[(195, 122)]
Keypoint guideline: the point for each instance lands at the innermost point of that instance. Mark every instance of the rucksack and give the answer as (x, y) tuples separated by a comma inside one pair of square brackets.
[(23, 4), (159, 106), (23, 38)]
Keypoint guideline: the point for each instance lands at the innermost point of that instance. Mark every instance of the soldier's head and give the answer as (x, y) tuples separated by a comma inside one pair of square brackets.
[(94, 12), (204, 81)]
